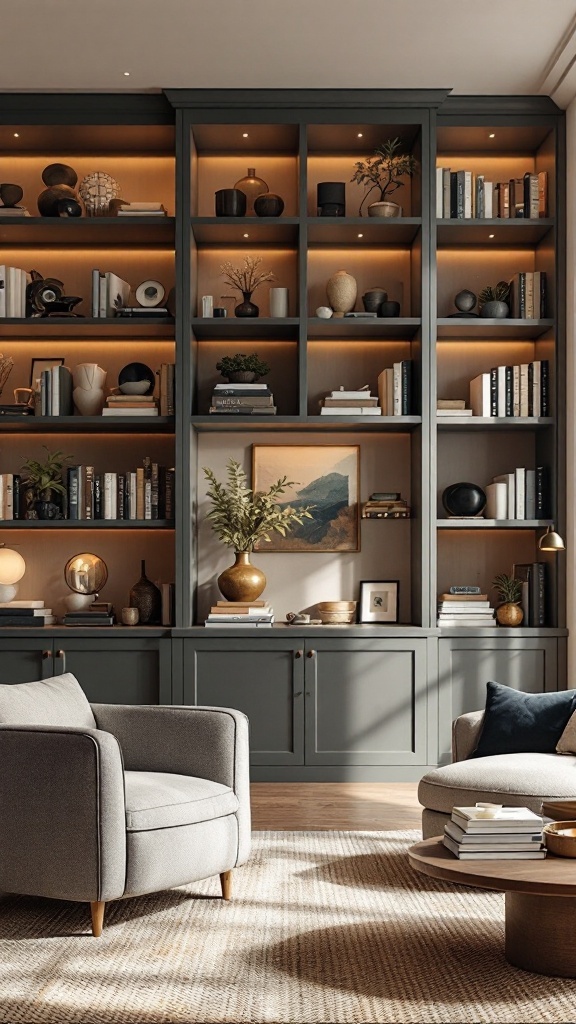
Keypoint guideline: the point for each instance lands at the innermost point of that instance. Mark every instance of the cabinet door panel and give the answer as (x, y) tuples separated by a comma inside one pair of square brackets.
[(21, 660), (366, 702), (262, 678), (466, 665), (114, 671)]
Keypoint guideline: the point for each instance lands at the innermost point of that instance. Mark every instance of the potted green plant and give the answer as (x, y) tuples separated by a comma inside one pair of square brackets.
[(240, 517), (41, 481), (246, 279), (493, 301), (241, 368), (509, 590), (384, 172)]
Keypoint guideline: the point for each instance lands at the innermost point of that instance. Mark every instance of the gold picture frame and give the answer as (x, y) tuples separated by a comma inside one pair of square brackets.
[(327, 476)]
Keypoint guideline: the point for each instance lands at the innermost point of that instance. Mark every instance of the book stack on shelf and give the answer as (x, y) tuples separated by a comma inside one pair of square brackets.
[(145, 493), (13, 283), (242, 400), (350, 403), (512, 833), (10, 506), (386, 505), (240, 614), (395, 389), (528, 295), (520, 494), (101, 613), (456, 610), (452, 407), (141, 210), (13, 211), (55, 395), (130, 405), (533, 600), (26, 613), (521, 390), (109, 293), (461, 195)]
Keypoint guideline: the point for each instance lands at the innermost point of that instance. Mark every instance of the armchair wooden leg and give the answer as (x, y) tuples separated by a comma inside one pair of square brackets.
[(97, 911), (226, 883)]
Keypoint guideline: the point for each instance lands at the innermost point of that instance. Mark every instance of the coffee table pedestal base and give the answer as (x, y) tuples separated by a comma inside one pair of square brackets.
[(541, 933)]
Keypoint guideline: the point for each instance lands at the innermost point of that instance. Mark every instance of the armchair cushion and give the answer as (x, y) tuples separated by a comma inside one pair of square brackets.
[(159, 800), (518, 722), (57, 701)]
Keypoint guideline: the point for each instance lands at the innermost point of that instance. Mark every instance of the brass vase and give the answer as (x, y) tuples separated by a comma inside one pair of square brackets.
[(241, 581), (509, 614)]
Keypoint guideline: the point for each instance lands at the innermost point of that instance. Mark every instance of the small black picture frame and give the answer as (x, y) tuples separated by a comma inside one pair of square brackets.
[(37, 366), (379, 601)]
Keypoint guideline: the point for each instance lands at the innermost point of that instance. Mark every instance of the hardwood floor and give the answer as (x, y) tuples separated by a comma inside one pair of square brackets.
[(334, 805)]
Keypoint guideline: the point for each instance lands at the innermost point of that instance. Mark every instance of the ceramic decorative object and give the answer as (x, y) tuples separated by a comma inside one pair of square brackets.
[(494, 301), (69, 207), (495, 310), (389, 308), (146, 597), (252, 187), (10, 194), (97, 190), (230, 202), (149, 293), (49, 199), (373, 299), (135, 373), (278, 302), (465, 302), (241, 581), (130, 616), (268, 205), (509, 614), (246, 307), (331, 198), (341, 290), (385, 209), (324, 312), (59, 174), (464, 500), (88, 393)]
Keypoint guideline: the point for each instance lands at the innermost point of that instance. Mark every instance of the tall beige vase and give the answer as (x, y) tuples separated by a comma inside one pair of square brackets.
[(341, 290)]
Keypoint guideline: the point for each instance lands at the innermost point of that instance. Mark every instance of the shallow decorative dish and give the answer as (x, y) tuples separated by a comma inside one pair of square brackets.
[(337, 613), (560, 838)]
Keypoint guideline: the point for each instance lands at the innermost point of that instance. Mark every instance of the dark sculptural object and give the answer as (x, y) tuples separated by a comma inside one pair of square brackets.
[(133, 372), (69, 208), (268, 205), (49, 199), (230, 202), (464, 500), (10, 194), (146, 597), (59, 174)]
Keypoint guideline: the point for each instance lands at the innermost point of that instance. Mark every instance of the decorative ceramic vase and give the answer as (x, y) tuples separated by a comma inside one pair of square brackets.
[(268, 205), (384, 209), (389, 308), (246, 308), (252, 187), (373, 299), (509, 614), (10, 194), (278, 302), (495, 310), (331, 198), (341, 290), (88, 394), (241, 581), (241, 377), (146, 597), (230, 202), (464, 500)]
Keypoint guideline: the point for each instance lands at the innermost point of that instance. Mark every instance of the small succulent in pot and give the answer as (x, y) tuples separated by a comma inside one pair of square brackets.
[(242, 368), (493, 301), (509, 591)]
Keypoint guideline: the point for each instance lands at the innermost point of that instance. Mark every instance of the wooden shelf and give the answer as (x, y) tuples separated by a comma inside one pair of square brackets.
[(350, 329), (87, 424), (377, 232), (262, 231), (516, 232), (493, 524), (86, 524), (378, 424), (88, 232), (485, 329), (115, 328), (234, 328)]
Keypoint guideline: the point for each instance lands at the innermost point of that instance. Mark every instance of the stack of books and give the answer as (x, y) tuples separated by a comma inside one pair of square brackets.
[(110, 293), (514, 834), (26, 613), (242, 400), (350, 403), (55, 397), (144, 493), (13, 211), (528, 295), (465, 610), (386, 505), (452, 407), (533, 600), (521, 494), (521, 390), (141, 210), (143, 311), (463, 194), (240, 614), (13, 283), (130, 405), (395, 389), (101, 613)]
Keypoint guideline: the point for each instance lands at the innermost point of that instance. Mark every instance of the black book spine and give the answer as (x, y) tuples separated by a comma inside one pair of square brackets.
[(545, 387), (509, 391), (453, 194), (120, 496), (541, 502), (530, 389), (162, 492), (543, 296), (98, 510), (169, 500), (16, 496), (460, 184), (538, 594), (406, 385), (522, 295), (494, 391), (73, 493)]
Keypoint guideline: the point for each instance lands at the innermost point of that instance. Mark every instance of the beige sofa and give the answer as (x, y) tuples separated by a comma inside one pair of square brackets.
[(523, 780)]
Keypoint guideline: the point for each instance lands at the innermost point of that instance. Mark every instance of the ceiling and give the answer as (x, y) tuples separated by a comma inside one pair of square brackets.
[(491, 47)]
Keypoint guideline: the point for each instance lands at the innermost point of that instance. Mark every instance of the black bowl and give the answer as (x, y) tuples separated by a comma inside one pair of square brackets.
[(137, 371), (464, 500)]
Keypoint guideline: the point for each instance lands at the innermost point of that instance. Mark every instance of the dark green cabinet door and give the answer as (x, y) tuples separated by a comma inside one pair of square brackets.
[(117, 671), (366, 702), (24, 660), (262, 678)]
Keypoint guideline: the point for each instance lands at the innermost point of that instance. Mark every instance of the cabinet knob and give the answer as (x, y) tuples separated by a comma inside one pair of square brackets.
[(311, 654), (46, 654), (298, 693), (298, 654), (62, 656)]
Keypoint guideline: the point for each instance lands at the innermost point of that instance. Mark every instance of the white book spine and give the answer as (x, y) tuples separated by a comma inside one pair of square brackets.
[(536, 388), (101, 295), (397, 368), (488, 199), (516, 390), (496, 501), (520, 475), (468, 194), (3, 290), (96, 293), (480, 395), (439, 192), (446, 194), (501, 391), (510, 481), (530, 494), (109, 493), (132, 495), (523, 389), (8, 496)]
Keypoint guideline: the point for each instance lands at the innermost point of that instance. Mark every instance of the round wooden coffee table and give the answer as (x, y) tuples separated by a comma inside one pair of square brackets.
[(540, 915)]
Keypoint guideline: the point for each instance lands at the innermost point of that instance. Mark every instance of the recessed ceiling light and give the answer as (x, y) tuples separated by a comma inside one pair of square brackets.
[(360, 235), (490, 236), (492, 135), (244, 135), (16, 135), (246, 235), (360, 135), (127, 74)]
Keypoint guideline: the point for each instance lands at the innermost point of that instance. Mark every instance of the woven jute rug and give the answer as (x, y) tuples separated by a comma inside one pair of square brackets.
[(323, 926)]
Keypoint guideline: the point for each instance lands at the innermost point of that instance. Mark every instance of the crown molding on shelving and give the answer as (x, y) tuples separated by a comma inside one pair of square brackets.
[(339, 99), (559, 78)]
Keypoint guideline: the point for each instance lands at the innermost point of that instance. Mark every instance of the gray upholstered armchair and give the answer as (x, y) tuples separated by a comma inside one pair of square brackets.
[(104, 801)]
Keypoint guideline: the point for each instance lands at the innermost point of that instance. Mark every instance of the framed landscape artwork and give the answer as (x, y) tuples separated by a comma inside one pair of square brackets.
[(326, 476)]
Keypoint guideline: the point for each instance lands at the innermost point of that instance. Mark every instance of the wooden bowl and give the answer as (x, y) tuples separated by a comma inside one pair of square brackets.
[(337, 613), (560, 838)]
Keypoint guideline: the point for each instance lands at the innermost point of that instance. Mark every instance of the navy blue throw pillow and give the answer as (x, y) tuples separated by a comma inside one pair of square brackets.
[(516, 722)]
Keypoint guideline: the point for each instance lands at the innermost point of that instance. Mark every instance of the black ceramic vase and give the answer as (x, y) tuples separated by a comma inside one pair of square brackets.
[(268, 205), (464, 500), (230, 202), (147, 599), (389, 308), (246, 308)]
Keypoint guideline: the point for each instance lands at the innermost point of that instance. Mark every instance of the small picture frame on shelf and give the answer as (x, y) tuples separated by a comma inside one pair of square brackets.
[(378, 601), (37, 367)]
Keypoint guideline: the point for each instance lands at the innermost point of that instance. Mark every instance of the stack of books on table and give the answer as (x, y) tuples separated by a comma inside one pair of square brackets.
[(386, 505), (141, 210), (350, 403), (100, 613), (465, 610), (515, 833), (240, 614), (242, 400), (130, 405), (26, 613)]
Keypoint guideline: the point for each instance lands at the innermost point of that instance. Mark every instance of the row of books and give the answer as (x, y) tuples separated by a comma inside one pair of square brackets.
[(533, 600), (521, 494), (13, 283), (465, 610), (529, 295), (144, 493), (463, 195), (514, 833), (55, 397), (26, 613), (240, 614), (386, 505), (395, 389), (242, 400), (522, 390)]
